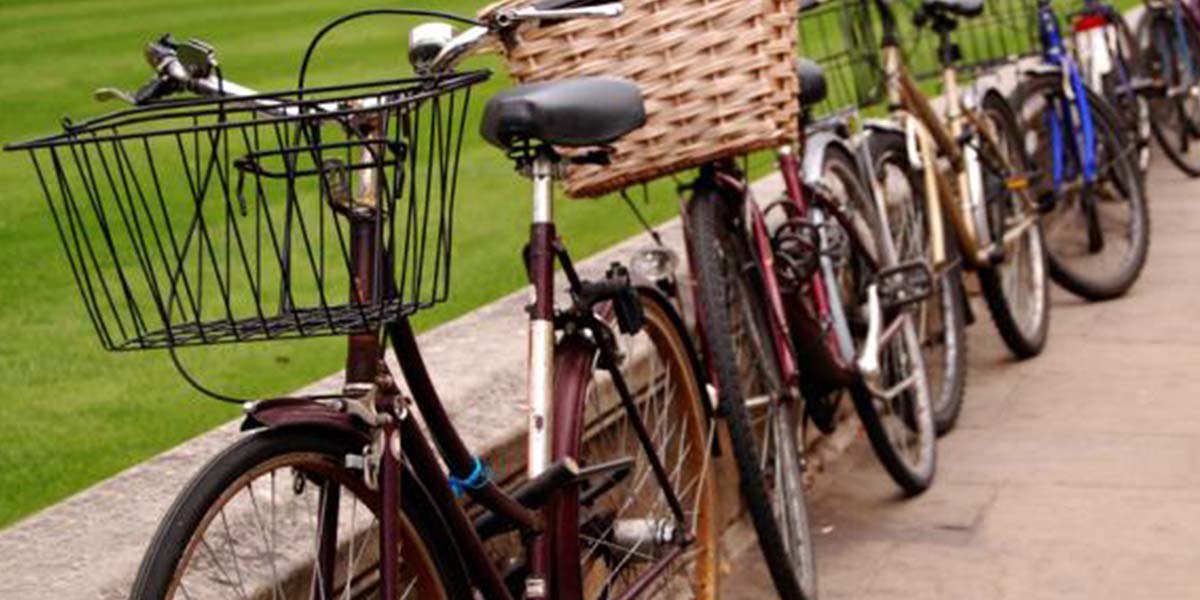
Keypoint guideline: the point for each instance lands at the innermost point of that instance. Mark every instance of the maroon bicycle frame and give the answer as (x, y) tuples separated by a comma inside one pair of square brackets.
[(787, 320), (573, 356)]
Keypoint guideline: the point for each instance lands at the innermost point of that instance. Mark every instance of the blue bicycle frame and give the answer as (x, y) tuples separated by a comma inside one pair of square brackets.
[(1082, 141)]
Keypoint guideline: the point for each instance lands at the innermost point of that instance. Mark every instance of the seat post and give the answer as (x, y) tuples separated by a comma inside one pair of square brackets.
[(540, 367), (542, 173), (541, 324)]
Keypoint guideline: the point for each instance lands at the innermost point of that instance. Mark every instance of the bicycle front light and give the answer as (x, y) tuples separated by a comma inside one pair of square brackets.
[(425, 43)]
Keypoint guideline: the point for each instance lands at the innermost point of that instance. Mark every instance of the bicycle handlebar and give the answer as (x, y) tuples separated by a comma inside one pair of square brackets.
[(433, 49)]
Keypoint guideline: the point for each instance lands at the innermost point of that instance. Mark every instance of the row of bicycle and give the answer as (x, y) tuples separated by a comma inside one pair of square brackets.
[(239, 216)]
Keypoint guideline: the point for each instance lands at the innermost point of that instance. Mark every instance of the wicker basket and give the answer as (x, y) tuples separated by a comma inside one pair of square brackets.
[(716, 74)]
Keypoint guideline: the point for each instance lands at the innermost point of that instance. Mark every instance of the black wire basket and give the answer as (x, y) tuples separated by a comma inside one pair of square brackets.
[(287, 215), (840, 36)]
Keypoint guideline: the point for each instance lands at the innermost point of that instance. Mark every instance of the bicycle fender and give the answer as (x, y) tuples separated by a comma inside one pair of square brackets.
[(1041, 69), (574, 351), (292, 412), (655, 295), (815, 147)]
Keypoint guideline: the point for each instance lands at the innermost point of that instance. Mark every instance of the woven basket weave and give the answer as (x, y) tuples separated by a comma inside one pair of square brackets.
[(716, 75)]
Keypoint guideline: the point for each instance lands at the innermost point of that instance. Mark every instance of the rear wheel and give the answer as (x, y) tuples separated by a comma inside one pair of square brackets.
[(1132, 108), (1098, 234), (1016, 289), (1175, 111), (764, 425), (940, 320), (249, 526), (620, 525)]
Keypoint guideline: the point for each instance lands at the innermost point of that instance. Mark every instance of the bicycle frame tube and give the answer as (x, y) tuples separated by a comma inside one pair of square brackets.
[(766, 264), (929, 135), (827, 301), (1082, 143), (541, 356), (915, 112)]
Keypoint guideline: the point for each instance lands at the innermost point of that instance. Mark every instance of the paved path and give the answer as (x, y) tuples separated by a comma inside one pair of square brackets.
[(1073, 475)]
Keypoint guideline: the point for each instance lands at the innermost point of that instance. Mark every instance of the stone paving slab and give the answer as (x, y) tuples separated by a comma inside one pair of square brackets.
[(1075, 475)]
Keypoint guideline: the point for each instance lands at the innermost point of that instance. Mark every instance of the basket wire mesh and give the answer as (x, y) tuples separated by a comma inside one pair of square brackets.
[(1006, 31), (211, 221), (839, 35)]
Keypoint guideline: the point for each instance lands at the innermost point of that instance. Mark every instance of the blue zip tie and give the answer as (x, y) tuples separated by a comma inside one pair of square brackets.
[(478, 478)]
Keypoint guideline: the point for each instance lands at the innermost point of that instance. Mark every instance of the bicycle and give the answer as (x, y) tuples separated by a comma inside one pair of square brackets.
[(350, 190), (1169, 35), (969, 166), (836, 78), (1095, 217), (1109, 59), (795, 308)]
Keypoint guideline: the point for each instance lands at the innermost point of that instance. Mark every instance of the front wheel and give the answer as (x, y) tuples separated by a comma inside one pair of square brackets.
[(941, 319), (252, 523), (1017, 288), (1097, 233), (764, 426)]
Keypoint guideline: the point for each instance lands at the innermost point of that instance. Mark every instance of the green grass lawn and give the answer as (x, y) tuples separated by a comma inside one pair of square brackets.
[(73, 414)]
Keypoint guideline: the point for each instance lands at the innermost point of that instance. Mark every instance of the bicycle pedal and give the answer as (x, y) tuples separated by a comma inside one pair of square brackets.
[(903, 284)]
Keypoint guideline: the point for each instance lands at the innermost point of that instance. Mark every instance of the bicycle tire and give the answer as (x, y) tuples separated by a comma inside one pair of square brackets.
[(1119, 190), (593, 428), (1026, 337), (948, 372), (1161, 107), (712, 237), (1132, 107), (313, 452)]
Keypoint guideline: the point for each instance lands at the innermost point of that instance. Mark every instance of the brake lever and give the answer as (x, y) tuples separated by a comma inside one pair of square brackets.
[(108, 94)]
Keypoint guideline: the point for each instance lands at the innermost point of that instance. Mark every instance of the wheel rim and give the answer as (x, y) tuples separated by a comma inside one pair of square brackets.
[(614, 555), (240, 551), (1022, 274)]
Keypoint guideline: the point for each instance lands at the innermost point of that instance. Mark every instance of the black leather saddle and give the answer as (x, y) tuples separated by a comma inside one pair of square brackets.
[(960, 8), (813, 88), (587, 111)]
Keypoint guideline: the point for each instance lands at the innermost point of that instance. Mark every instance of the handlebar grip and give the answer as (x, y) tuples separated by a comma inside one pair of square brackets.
[(155, 89)]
